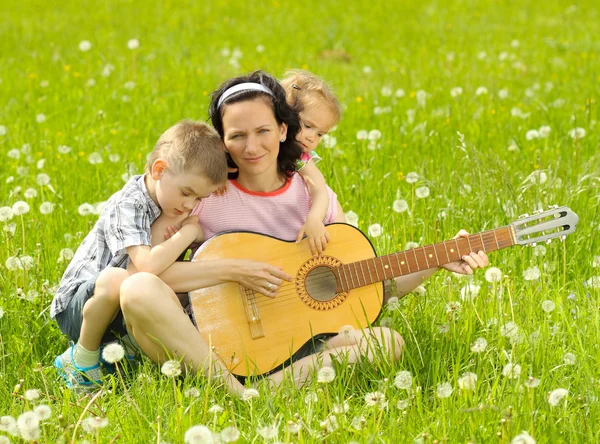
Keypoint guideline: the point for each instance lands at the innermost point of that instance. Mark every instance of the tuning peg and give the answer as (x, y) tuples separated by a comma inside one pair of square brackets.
[(523, 216)]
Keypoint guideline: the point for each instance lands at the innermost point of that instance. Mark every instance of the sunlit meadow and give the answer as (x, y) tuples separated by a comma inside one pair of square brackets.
[(456, 115)]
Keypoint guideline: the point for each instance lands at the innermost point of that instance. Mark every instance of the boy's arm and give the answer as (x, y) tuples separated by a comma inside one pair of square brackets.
[(157, 259)]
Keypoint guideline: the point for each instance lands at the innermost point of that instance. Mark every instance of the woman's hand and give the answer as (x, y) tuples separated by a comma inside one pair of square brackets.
[(258, 276), (317, 235), (468, 262)]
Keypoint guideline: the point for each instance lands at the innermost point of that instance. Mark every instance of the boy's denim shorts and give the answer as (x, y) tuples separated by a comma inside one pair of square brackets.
[(70, 320)]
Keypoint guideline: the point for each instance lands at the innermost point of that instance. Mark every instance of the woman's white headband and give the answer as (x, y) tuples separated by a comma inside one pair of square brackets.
[(243, 87)]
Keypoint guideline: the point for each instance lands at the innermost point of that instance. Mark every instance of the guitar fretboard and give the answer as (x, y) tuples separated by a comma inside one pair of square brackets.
[(377, 269)]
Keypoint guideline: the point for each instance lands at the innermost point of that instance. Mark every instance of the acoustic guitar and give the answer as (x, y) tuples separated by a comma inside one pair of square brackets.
[(254, 334)]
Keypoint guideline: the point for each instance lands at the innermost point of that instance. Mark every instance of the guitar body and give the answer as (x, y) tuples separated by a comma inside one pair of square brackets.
[(255, 334)]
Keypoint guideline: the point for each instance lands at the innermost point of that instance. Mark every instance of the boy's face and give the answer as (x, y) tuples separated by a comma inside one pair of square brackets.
[(315, 122), (178, 194)]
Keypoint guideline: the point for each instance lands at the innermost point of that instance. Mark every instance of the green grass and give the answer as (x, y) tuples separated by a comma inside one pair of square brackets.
[(544, 55)]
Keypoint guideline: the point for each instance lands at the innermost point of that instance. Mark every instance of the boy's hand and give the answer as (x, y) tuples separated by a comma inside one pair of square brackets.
[(317, 236), (468, 262)]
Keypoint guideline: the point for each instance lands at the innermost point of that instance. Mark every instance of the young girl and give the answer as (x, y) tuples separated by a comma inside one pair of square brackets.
[(319, 111)]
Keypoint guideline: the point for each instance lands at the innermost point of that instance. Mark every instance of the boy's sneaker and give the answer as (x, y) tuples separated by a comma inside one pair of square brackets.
[(78, 378)]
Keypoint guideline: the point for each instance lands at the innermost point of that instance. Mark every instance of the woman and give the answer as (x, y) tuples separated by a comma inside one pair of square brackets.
[(259, 129)]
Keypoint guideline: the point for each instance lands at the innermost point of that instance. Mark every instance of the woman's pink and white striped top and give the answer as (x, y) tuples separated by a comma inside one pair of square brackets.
[(280, 213)]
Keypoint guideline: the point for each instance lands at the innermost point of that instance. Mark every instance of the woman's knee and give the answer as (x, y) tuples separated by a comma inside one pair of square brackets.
[(390, 339)]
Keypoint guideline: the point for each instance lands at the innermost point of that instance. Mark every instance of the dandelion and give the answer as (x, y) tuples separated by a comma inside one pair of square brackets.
[(481, 91), (373, 399), (403, 380), (420, 291), (249, 394), (548, 306), (511, 371), (509, 329), (114, 157), (260, 48), (329, 141), (40, 164), (9, 424), (532, 382), (456, 91), (341, 408), (43, 411), (129, 85), (412, 177), (32, 395), (14, 153), (133, 44), (523, 438), (85, 209), (1, 312), (107, 70), (46, 208), (444, 390), (421, 97), (329, 424), (198, 434), (444, 328), (503, 93), (467, 381), (367, 70), (493, 274), (556, 396), (577, 133), (375, 230), (537, 177), (374, 135), (3, 130), (346, 331), (386, 91), (544, 131), (311, 398), (362, 135), (20, 208), (326, 375), (469, 292), (40, 118), (569, 359), (113, 353), (230, 434), (85, 45), (95, 158), (352, 218), (28, 422), (402, 404), (400, 93), (532, 134), (66, 254), (30, 193), (422, 192), (392, 303), (593, 282), (215, 409), (6, 214), (400, 206), (10, 228), (171, 369), (268, 432), (453, 307), (64, 149), (532, 274), (42, 179)]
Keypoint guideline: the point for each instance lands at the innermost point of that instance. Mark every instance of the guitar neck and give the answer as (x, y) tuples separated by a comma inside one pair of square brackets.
[(377, 269)]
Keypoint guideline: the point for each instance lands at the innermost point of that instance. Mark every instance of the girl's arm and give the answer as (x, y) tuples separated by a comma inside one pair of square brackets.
[(314, 228)]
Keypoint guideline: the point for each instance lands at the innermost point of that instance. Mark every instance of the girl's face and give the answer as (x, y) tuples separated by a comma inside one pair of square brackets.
[(252, 135), (315, 122)]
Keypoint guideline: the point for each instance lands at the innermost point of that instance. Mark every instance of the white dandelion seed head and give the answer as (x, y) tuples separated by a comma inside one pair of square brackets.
[(444, 390), (577, 133), (46, 207), (400, 206), (28, 421), (469, 292), (338, 409), (311, 398), (400, 93), (85, 45), (113, 352), (453, 307), (64, 149), (171, 368), (14, 153), (33, 395), (20, 208), (107, 70), (326, 375), (9, 424), (509, 329), (595, 260), (386, 91), (6, 214), (523, 438), (548, 306), (198, 434), (26, 148), (539, 250), (392, 303), (43, 411), (40, 118), (129, 85), (481, 91), (85, 209), (133, 44), (114, 157), (329, 141), (42, 179), (556, 396), (569, 359), (260, 48), (66, 254), (249, 394), (537, 177), (420, 290), (373, 399), (544, 131), (31, 434), (412, 177), (532, 134), (421, 97), (375, 230), (362, 135), (532, 382), (294, 427), (1, 312), (374, 135), (3, 130), (422, 192), (26, 262), (367, 70), (410, 245), (230, 434), (593, 282), (215, 409), (468, 381), (403, 380), (346, 330), (532, 274), (352, 218), (40, 164), (402, 404), (503, 93), (329, 424), (511, 371), (493, 274), (268, 432), (95, 158), (456, 91)]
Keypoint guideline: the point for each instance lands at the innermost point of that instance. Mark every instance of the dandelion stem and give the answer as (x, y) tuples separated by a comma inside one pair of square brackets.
[(86, 408), (177, 412)]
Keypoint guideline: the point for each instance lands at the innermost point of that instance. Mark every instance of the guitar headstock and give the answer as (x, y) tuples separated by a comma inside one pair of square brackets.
[(545, 225)]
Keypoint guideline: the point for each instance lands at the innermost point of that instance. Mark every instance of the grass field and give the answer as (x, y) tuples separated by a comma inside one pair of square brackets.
[(494, 106)]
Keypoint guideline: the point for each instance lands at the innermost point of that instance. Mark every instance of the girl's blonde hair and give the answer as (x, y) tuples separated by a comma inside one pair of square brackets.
[(304, 89)]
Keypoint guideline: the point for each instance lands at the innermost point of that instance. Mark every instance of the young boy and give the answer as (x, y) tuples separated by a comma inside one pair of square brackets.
[(187, 164)]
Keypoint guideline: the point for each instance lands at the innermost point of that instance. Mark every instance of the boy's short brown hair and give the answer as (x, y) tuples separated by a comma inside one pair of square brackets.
[(303, 89), (190, 145)]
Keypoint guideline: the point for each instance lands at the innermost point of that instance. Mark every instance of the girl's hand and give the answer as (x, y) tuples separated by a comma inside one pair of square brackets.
[(317, 236), (468, 262)]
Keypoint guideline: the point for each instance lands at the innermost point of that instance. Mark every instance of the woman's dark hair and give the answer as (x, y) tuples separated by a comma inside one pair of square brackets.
[(289, 151)]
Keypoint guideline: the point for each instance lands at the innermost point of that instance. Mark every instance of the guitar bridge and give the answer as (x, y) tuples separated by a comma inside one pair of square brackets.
[(252, 313)]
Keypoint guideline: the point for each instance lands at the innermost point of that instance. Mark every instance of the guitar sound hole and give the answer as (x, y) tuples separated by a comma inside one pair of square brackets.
[(321, 284)]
